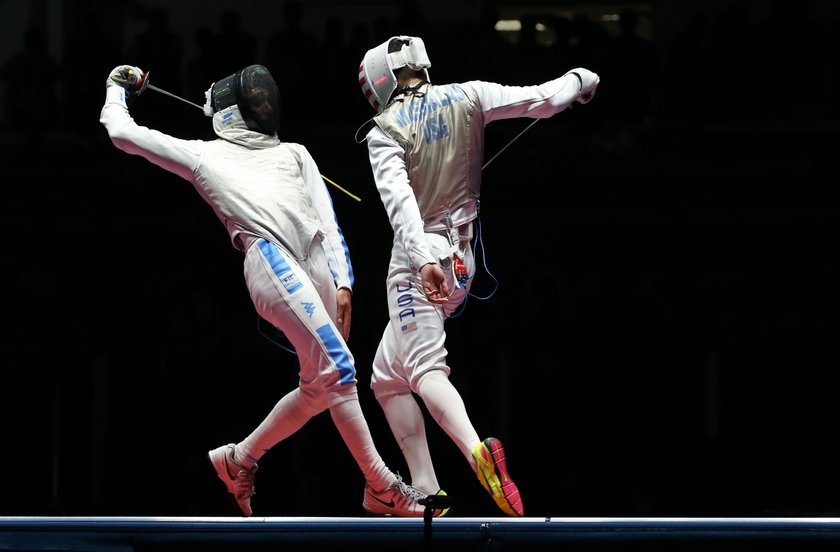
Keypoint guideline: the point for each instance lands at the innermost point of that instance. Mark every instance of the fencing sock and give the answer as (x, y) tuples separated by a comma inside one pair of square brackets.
[(447, 408), (288, 415), (348, 418), (406, 421)]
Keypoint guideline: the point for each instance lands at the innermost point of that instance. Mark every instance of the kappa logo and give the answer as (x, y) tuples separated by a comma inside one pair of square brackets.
[(308, 307)]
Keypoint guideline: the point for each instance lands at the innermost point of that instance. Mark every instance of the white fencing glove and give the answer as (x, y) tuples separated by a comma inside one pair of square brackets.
[(588, 84), (129, 77)]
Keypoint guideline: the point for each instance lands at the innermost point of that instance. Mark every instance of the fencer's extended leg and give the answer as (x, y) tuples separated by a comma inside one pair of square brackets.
[(487, 458), (447, 408), (348, 418), (289, 415), (406, 421), (302, 305)]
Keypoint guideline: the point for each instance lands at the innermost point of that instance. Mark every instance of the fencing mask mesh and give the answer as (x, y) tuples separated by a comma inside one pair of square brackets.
[(254, 91)]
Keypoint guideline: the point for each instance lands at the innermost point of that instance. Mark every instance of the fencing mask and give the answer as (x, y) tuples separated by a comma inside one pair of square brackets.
[(253, 92), (376, 73)]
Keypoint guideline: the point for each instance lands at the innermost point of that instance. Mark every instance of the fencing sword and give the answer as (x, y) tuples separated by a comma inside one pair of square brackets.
[(171, 95), (585, 99), (509, 143), (151, 86)]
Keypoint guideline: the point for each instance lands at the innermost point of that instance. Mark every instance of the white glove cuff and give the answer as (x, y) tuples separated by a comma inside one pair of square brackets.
[(114, 93)]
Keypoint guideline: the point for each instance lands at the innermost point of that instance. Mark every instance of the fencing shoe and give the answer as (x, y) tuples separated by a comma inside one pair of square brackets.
[(399, 499), (491, 470), (238, 480)]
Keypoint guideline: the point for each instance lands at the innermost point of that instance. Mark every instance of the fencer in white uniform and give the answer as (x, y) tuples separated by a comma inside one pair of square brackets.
[(274, 204), (426, 149)]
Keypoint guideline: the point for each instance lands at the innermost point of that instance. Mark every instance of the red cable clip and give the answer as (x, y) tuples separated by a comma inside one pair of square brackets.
[(460, 271)]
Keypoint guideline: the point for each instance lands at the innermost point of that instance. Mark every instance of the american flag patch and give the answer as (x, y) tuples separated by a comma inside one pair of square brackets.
[(408, 328)]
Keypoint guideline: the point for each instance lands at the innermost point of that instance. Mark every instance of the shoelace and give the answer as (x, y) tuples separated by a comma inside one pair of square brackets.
[(244, 483), (409, 491)]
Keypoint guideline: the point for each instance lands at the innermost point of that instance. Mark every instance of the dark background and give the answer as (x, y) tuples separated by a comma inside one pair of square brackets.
[(663, 338)]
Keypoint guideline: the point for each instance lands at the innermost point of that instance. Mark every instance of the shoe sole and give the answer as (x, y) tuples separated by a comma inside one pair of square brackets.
[(372, 513), (493, 476), (368, 513)]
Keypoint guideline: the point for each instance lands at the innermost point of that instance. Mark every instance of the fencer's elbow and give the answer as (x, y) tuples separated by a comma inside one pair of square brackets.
[(114, 133), (117, 130), (118, 138)]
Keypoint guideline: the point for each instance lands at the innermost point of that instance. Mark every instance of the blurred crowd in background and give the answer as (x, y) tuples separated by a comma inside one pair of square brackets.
[(730, 65)]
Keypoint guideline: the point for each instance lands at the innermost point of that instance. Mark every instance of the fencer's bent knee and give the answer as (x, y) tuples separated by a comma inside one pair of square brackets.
[(326, 391), (428, 375), (314, 395)]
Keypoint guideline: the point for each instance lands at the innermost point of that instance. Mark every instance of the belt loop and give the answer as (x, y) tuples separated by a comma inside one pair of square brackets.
[(451, 231)]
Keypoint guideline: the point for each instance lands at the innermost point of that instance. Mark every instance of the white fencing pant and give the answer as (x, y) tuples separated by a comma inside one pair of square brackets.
[(299, 299), (413, 341), (411, 359)]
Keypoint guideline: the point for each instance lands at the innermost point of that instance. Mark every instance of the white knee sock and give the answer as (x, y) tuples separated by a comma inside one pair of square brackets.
[(447, 408), (406, 421), (348, 418), (288, 415)]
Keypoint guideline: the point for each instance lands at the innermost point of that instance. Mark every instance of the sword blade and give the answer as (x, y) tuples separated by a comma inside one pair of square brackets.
[(162, 91)]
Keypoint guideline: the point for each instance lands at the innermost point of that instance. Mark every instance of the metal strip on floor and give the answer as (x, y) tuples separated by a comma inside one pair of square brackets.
[(141, 534)]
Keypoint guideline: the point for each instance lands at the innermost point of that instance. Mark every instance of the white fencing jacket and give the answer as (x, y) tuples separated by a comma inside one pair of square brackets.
[(258, 186), (390, 160)]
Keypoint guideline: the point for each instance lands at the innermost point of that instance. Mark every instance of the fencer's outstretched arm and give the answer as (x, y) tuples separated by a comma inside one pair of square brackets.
[(172, 154), (497, 101), (536, 101)]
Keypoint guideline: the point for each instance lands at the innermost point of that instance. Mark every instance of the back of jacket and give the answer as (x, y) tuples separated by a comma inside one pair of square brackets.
[(441, 130)]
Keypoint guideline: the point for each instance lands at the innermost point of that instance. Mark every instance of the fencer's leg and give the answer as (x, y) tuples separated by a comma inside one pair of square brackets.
[(406, 421), (289, 415), (347, 415), (284, 294), (447, 408)]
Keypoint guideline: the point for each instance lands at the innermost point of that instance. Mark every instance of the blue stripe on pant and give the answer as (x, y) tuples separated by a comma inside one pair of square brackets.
[(338, 353), (280, 266), (335, 347)]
